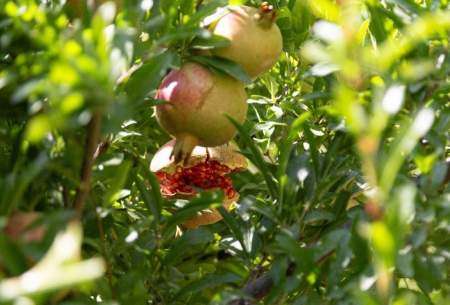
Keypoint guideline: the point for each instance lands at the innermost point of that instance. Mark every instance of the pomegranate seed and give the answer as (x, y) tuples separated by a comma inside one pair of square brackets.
[(208, 174)]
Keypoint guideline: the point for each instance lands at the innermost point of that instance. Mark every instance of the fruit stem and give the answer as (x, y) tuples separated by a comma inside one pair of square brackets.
[(266, 15), (184, 145), (207, 155)]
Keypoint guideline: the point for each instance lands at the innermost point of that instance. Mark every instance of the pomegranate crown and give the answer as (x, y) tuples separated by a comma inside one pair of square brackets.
[(266, 15)]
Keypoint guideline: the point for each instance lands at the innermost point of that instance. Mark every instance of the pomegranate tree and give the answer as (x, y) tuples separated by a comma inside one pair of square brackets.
[(255, 39), (205, 169), (198, 101)]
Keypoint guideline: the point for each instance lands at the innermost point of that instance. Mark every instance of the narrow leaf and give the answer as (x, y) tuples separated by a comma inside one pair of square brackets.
[(224, 65), (257, 159)]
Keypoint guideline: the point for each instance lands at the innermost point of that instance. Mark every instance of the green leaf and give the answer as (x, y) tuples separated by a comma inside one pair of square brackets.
[(187, 7), (181, 34), (314, 151), (189, 239), (18, 183), (411, 6), (225, 66), (118, 183), (209, 281), (318, 217), (403, 145), (377, 23), (147, 78), (157, 199), (383, 243), (341, 203), (428, 273), (11, 256), (304, 258), (236, 2), (203, 201), (215, 41), (234, 227), (257, 158), (149, 198), (287, 143), (205, 10)]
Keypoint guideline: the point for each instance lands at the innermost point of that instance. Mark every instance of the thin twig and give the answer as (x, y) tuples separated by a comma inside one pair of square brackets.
[(101, 149), (124, 76), (92, 139), (199, 3), (65, 196)]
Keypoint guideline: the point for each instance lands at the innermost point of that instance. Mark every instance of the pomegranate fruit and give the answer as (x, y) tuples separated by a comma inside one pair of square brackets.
[(18, 227), (205, 169), (198, 100), (255, 39)]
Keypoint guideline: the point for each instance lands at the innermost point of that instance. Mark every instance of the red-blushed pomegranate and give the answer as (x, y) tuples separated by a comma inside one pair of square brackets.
[(255, 39), (18, 225), (198, 101), (206, 169)]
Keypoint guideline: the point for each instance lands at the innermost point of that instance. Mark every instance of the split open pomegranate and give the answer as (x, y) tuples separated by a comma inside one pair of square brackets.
[(206, 169), (208, 174)]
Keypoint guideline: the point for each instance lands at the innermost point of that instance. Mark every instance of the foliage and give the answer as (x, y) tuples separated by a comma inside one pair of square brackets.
[(346, 200)]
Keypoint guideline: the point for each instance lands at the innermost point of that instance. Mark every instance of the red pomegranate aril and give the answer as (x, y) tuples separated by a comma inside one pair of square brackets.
[(205, 175), (206, 169)]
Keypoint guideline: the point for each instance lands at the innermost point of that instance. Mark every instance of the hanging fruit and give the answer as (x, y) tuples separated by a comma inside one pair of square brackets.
[(198, 102), (205, 169), (255, 39)]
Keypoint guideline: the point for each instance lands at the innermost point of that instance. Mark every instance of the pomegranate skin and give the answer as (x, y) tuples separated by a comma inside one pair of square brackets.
[(198, 100), (255, 40), (209, 216)]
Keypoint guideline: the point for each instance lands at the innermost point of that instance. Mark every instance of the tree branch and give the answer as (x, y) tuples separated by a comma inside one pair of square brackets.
[(447, 177), (259, 287), (92, 139)]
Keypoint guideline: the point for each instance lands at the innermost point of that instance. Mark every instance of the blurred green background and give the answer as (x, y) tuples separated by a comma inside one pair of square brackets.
[(346, 200)]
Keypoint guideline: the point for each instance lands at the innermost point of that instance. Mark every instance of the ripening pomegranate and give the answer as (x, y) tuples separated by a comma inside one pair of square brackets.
[(19, 227), (206, 168), (255, 39), (198, 100)]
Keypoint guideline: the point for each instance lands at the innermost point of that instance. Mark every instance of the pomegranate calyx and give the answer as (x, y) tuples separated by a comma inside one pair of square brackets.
[(182, 150), (266, 15)]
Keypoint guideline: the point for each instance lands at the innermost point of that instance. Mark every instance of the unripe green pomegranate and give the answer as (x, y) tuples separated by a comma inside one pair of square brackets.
[(255, 39), (205, 169), (198, 101)]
